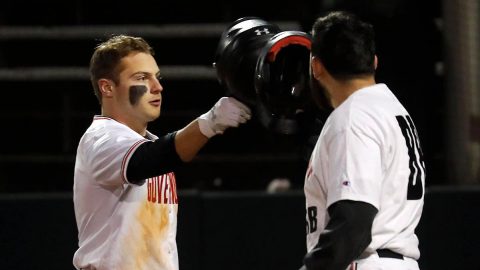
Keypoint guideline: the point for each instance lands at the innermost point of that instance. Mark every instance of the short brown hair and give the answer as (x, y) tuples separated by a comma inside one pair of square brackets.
[(108, 54)]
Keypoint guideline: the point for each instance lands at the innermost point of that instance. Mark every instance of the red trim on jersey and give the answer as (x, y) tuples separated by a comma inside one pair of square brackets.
[(101, 117), (127, 157)]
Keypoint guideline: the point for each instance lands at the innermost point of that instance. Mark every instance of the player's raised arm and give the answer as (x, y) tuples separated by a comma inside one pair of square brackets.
[(227, 112), (168, 152)]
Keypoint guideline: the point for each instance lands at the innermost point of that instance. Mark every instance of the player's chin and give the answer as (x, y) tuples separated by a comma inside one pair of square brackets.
[(154, 114)]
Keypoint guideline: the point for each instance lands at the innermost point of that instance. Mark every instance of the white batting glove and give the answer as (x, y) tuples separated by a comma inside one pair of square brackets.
[(227, 112)]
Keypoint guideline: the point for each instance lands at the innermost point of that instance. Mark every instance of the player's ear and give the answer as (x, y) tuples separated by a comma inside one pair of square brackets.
[(105, 86), (316, 67), (375, 62)]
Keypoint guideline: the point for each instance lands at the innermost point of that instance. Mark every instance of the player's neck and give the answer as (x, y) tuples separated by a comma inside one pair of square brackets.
[(128, 120), (341, 90), (136, 126)]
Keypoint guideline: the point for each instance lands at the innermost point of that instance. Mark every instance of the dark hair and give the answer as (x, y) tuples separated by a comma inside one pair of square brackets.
[(107, 56), (344, 44)]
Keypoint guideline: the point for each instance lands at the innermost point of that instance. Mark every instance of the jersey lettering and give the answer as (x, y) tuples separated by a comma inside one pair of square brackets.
[(162, 189), (416, 161), (312, 219)]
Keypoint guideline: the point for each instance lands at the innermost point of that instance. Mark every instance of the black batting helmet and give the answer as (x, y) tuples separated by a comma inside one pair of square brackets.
[(237, 54), (282, 80), (266, 69)]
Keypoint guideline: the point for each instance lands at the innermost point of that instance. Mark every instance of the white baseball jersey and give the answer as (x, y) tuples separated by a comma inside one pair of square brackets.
[(121, 225), (369, 151)]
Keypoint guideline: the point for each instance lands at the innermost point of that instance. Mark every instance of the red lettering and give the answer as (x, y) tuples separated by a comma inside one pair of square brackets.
[(149, 192), (154, 193), (174, 181), (159, 188), (175, 189), (162, 189), (172, 189), (165, 191)]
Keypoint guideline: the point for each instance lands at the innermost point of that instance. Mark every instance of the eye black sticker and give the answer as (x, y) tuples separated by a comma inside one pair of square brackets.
[(136, 92)]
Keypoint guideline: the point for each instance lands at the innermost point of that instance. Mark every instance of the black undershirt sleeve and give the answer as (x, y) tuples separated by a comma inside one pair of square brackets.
[(345, 237), (152, 159)]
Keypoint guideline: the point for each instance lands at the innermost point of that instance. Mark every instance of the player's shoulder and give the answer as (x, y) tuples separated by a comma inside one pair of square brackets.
[(107, 124), (369, 97), (354, 108), (366, 108), (372, 101), (104, 128)]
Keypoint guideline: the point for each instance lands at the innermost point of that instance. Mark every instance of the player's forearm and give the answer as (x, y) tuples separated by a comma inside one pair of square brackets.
[(345, 237), (189, 141)]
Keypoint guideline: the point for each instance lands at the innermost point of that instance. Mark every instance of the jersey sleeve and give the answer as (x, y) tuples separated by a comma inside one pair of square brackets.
[(152, 159), (354, 168), (108, 155)]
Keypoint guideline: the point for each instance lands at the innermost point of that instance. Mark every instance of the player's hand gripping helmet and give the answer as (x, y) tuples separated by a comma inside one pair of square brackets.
[(266, 69)]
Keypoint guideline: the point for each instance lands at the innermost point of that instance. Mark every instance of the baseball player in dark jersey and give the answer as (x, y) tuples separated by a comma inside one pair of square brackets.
[(364, 185), (124, 189)]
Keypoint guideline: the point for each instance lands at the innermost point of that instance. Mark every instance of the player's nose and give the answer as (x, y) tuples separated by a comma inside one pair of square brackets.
[(156, 86)]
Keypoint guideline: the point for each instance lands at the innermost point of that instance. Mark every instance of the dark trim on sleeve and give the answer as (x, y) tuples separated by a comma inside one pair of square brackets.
[(152, 159), (345, 237)]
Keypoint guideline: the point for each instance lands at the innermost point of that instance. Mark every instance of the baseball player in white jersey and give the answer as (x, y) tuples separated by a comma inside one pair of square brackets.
[(364, 185), (125, 193)]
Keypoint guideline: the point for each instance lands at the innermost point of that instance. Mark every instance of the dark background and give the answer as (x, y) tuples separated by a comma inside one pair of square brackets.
[(226, 219), (234, 230), (45, 114)]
